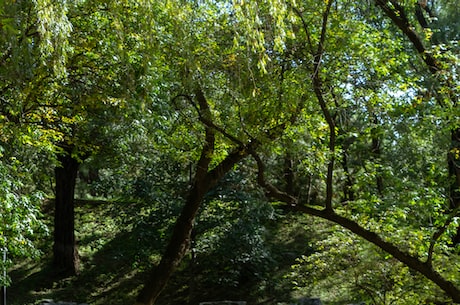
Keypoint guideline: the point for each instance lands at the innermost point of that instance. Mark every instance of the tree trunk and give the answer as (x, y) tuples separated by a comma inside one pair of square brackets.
[(204, 180), (180, 239), (289, 174), (65, 252), (454, 174), (176, 249), (376, 153)]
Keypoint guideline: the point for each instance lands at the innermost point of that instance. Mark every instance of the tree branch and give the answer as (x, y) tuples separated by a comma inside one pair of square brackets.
[(439, 232), (397, 14), (270, 190), (412, 262), (317, 87), (305, 27), (210, 138)]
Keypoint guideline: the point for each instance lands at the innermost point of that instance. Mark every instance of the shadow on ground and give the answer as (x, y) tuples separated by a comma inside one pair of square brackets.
[(118, 244)]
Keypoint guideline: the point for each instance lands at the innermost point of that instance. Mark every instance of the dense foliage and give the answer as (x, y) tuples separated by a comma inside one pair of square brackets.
[(218, 119)]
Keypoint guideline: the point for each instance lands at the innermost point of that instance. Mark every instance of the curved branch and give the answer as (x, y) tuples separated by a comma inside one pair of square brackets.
[(305, 27), (205, 119), (412, 262), (425, 268), (397, 14), (210, 137), (439, 232), (270, 190)]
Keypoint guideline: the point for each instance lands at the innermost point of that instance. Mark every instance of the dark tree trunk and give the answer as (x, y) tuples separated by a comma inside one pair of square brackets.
[(289, 175), (180, 239), (204, 180), (376, 153), (176, 249), (454, 174), (348, 193), (65, 252)]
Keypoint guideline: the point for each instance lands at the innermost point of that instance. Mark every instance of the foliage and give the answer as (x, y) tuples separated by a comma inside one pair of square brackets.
[(342, 109), (373, 111), (119, 240), (20, 216), (230, 236), (347, 269)]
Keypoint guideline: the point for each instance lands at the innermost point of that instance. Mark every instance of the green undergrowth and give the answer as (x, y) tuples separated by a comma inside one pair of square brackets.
[(115, 243), (119, 242)]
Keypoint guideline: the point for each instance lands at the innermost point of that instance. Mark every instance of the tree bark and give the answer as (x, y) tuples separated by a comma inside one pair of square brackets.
[(65, 252), (204, 180), (454, 174)]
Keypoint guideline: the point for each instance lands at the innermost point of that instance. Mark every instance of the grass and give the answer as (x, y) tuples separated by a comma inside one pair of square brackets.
[(118, 243), (115, 250)]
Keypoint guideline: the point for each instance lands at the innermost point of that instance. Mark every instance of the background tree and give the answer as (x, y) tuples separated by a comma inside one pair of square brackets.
[(317, 43), (77, 66), (33, 42)]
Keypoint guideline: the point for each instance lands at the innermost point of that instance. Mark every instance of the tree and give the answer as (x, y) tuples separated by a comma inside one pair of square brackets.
[(33, 43), (332, 100), (226, 111), (71, 87), (422, 260), (105, 88), (180, 240), (293, 43)]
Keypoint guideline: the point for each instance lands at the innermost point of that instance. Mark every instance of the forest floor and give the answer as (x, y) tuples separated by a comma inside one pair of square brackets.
[(118, 244), (107, 247)]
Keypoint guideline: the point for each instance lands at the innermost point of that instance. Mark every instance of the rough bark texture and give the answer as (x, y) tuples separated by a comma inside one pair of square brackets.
[(65, 252)]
